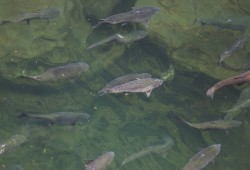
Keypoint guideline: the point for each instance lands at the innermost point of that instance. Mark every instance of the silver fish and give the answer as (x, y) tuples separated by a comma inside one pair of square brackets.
[(67, 71), (63, 118), (121, 39), (145, 85), (236, 46), (46, 14), (216, 124), (158, 149), (100, 162), (203, 158), (137, 15), (12, 143)]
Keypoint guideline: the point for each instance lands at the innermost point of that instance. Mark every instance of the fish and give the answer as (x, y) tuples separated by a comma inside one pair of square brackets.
[(233, 112), (235, 46), (235, 80), (67, 71), (136, 15), (121, 39), (12, 143), (45, 14), (203, 157), (239, 23), (62, 118), (145, 85), (216, 124), (100, 162), (157, 149)]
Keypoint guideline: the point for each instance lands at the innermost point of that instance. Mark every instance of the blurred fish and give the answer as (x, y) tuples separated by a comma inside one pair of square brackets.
[(46, 14), (100, 162), (216, 124), (67, 71), (11, 143), (236, 80), (231, 113), (158, 149), (236, 46), (137, 15), (203, 158), (64, 118), (121, 39), (145, 85)]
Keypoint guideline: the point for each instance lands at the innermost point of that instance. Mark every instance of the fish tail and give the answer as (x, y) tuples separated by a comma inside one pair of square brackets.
[(4, 22), (183, 120), (210, 92), (98, 24)]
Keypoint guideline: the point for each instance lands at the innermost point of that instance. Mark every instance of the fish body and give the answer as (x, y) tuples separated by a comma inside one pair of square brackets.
[(46, 14), (145, 85), (158, 149), (239, 23), (216, 124), (239, 79), (100, 162), (231, 113), (63, 118), (236, 46), (203, 157), (136, 15), (12, 143), (67, 71), (122, 80), (121, 39)]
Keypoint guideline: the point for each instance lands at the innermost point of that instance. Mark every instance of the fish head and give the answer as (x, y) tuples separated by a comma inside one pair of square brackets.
[(84, 66)]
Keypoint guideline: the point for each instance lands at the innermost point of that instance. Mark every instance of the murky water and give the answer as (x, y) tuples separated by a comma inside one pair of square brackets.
[(124, 124)]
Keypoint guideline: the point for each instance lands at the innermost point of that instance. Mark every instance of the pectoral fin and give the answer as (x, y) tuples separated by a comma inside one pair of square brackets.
[(148, 93)]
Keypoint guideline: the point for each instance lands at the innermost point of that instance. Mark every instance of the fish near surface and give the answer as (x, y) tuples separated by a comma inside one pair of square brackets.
[(63, 118), (123, 79), (121, 39), (136, 15), (145, 85), (203, 157), (216, 124), (46, 14), (67, 71), (236, 46), (157, 149), (100, 162), (12, 143), (240, 79)]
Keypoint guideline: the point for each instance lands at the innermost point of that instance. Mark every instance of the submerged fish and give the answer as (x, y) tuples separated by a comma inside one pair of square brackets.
[(67, 71), (145, 85), (239, 23), (12, 143), (64, 118), (203, 158), (122, 39), (216, 124), (240, 79), (158, 149), (137, 15), (43, 14), (100, 162), (236, 46)]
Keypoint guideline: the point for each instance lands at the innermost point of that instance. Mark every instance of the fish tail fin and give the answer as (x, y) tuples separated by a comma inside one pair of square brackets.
[(210, 92), (183, 120), (99, 23), (23, 115), (4, 22)]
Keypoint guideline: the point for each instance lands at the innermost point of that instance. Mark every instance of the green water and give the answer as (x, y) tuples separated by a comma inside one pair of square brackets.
[(118, 123)]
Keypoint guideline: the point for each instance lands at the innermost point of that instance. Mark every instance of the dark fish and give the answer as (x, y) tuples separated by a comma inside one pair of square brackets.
[(239, 23), (240, 79), (137, 15), (158, 149), (236, 46), (64, 118), (12, 143), (100, 162), (216, 124), (203, 158), (121, 39), (46, 14), (67, 71), (122, 80), (145, 85)]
